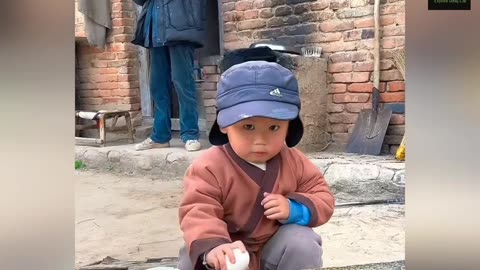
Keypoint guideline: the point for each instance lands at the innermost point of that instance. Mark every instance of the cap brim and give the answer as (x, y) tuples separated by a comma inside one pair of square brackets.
[(294, 134), (258, 108)]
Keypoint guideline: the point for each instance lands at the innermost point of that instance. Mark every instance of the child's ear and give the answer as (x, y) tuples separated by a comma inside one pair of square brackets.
[(223, 130)]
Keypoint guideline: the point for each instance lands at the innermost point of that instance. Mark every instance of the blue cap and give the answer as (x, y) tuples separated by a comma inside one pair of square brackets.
[(257, 89)]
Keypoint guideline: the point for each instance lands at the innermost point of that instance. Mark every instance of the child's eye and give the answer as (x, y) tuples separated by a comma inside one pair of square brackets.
[(274, 128), (249, 127)]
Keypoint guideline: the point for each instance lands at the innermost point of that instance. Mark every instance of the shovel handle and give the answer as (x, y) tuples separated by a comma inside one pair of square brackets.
[(375, 99)]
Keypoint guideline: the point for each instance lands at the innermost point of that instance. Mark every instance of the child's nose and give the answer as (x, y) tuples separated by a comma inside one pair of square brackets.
[(261, 139)]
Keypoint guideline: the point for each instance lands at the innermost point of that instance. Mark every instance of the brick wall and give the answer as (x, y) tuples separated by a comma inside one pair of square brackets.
[(344, 29), (211, 75), (108, 78)]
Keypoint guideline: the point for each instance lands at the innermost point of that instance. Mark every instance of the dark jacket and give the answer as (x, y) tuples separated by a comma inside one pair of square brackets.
[(166, 22)]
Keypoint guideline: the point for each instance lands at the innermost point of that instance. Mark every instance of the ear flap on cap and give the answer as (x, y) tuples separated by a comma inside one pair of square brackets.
[(216, 137), (295, 132)]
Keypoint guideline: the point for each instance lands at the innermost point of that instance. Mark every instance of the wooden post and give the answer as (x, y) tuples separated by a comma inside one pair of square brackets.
[(128, 122), (101, 129)]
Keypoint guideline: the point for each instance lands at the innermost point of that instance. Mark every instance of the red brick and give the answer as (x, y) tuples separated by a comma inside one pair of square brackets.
[(340, 67), (388, 43), (209, 94), (250, 14), (125, 6), (320, 5), (335, 88), (251, 24), (339, 46), (107, 85), (364, 23), (360, 76), (212, 77), (126, 85), (126, 55), (392, 9), (209, 86), (352, 35), (323, 37), (400, 19), (366, 44), (92, 101), (123, 14), (397, 119), (108, 70), (261, 3), (123, 38), (209, 102), (123, 22), (334, 26), (390, 75), (338, 4), (105, 78), (350, 98), (360, 87), (363, 66), (229, 27), (340, 77), (266, 13), (332, 107), (122, 30), (127, 77), (106, 56), (125, 92), (232, 36), (87, 86), (386, 20), (357, 107), (386, 64), (210, 70), (392, 97), (243, 5), (395, 86), (393, 30), (119, 63)]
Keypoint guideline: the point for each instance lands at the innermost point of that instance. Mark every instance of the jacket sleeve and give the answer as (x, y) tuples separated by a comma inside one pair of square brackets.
[(201, 213), (140, 2), (312, 190)]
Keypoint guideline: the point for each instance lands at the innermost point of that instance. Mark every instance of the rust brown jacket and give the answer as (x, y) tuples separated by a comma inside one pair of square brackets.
[(222, 195)]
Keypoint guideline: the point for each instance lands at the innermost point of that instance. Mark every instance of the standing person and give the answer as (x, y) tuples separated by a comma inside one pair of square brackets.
[(253, 191), (172, 30)]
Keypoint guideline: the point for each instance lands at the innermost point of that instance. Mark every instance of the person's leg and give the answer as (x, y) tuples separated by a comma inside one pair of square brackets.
[(293, 247), (184, 262), (160, 87), (182, 57)]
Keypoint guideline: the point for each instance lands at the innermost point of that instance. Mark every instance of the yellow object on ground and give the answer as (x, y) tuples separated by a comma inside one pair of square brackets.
[(400, 155)]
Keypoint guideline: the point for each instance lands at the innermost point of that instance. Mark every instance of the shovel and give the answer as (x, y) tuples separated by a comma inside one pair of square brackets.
[(371, 127)]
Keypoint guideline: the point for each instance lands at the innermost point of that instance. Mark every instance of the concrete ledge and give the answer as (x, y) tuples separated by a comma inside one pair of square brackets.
[(351, 177), (171, 263)]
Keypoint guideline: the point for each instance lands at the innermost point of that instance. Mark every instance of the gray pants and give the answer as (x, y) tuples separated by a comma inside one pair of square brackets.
[(293, 247)]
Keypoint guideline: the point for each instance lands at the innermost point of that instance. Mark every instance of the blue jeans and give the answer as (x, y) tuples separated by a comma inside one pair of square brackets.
[(173, 64)]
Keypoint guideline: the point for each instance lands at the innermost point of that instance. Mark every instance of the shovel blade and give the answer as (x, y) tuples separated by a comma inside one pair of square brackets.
[(369, 132)]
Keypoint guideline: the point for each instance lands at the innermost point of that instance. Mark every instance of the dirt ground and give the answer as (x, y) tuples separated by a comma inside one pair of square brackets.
[(131, 218)]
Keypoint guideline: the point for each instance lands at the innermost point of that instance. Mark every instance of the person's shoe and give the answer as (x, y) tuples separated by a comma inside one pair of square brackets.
[(149, 144), (193, 145)]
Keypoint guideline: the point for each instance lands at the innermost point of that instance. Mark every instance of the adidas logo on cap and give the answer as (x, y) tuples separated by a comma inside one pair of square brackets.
[(276, 93)]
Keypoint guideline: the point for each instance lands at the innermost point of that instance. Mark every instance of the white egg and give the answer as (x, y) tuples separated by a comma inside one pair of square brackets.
[(241, 260)]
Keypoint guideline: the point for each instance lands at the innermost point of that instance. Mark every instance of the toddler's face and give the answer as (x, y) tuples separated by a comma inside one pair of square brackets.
[(257, 139)]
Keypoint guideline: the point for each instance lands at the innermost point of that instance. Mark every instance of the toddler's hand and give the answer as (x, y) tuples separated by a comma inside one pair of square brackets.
[(216, 257), (276, 206)]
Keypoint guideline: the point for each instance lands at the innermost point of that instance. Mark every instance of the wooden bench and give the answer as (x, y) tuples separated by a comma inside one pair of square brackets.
[(100, 118)]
